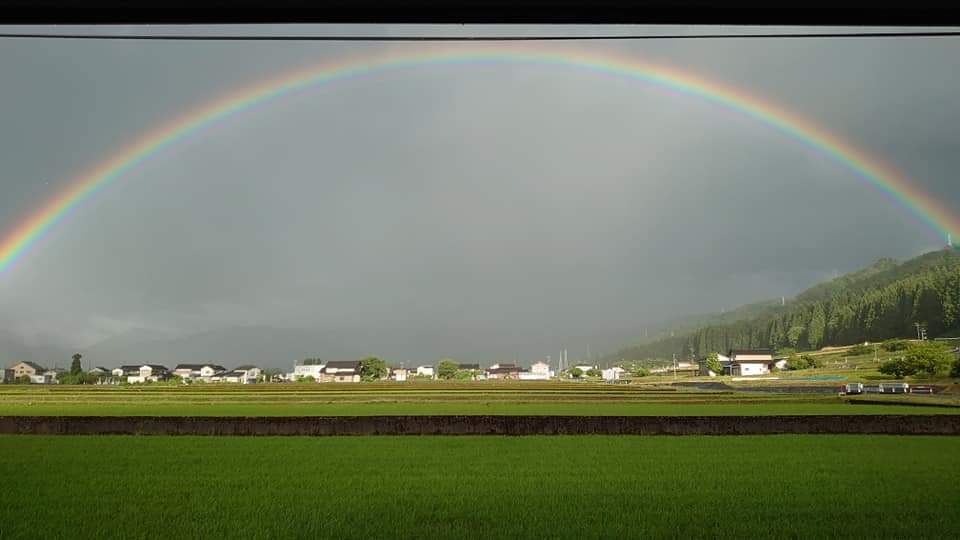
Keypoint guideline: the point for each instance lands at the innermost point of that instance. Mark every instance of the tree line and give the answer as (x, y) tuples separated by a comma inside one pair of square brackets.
[(883, 302)]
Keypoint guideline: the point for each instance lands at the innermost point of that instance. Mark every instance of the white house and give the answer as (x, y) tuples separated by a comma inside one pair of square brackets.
[(341, 371), (426, 371), (585, 368), (539, 371), (198, 371), (748, 362), (242, 375), (399, 374), (612, 374), (309, 370), (140, 374)]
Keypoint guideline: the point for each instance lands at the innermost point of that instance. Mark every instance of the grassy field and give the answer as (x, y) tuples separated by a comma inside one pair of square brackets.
[(479, 487), (421, 399)]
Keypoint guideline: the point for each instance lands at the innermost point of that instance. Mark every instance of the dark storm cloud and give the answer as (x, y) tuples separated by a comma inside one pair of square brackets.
[(474, 211)]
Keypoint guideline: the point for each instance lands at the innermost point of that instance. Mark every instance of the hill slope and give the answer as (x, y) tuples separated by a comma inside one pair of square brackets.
[(879, 302)]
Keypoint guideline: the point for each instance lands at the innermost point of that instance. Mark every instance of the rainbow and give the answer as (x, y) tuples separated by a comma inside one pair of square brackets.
[(871, 169)]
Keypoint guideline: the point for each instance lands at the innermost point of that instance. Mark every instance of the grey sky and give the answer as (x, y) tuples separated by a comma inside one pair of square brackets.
[(474, 211)]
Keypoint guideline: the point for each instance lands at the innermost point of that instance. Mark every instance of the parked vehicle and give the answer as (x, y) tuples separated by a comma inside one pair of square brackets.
[(853, 388), (921, 390), (894, 388)]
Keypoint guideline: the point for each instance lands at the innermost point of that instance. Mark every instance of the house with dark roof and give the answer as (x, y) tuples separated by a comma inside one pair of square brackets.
[(503, 371), (341, 371), (241, 374), (142, 373), (28, 369), (198, 371)]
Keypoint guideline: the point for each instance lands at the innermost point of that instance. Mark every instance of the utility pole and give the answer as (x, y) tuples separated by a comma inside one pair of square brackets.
[(674, 366)]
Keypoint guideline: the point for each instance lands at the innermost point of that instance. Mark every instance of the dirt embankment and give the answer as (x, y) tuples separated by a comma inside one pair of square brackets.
[(481, 425)]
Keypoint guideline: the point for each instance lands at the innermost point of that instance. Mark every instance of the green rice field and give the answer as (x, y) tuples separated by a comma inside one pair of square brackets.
[(432, 399), (774, 486)]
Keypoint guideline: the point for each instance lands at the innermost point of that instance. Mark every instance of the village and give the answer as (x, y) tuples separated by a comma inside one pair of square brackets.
[(737, 363)]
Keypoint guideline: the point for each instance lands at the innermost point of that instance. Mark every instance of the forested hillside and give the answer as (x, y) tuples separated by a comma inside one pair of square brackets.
[(882, 301)]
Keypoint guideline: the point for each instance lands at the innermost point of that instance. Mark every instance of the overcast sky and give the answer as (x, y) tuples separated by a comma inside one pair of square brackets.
[(478, 211)]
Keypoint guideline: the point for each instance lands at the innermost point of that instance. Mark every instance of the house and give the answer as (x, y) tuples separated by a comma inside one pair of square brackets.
[(426, 371), (142, 374), (99, 370), (341, 371), (308, 370), (724, 365), (503, 371), (52, 376), (240, 375), (7, 375), (747, 362), (399, 374), (126, 371), (585, 368), (541, 368), (539, 371), (198, 371), (612, 374), (27, 369)]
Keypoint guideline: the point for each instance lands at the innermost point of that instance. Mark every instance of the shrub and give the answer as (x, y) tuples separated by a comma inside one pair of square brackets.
[(640, 372), (797, 362), (713, 363), (894, 345), (812, 361), (857, 350), (594, 372), (955, 372), (929, 358), (576, 373), (898, 367)]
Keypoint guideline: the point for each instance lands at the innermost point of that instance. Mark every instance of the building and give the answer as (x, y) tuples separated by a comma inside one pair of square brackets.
[(541, 368), (539, 371), (503, 371), (612, 374), (749, 362), (399, 374), (100, 370), (240, 375), (426, 371), (7, 375), (341, 371), (585, 368), (27, 369), (308, 370), (724, 365), (142, 374), (198, 371)]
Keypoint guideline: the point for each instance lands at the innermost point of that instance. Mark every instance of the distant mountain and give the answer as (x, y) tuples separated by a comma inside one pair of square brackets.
[(881, 301)]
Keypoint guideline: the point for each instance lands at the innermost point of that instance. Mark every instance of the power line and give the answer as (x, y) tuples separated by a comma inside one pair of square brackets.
[(808, 35)]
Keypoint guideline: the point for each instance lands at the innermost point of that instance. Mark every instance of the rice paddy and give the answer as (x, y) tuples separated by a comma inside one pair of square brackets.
[(774, 486)]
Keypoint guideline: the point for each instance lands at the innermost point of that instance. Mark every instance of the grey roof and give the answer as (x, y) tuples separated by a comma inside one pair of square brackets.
[(468, 366), (504, 369), (245, 367), (189, 366), (34, 365), (344, 364), (749, 351)]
